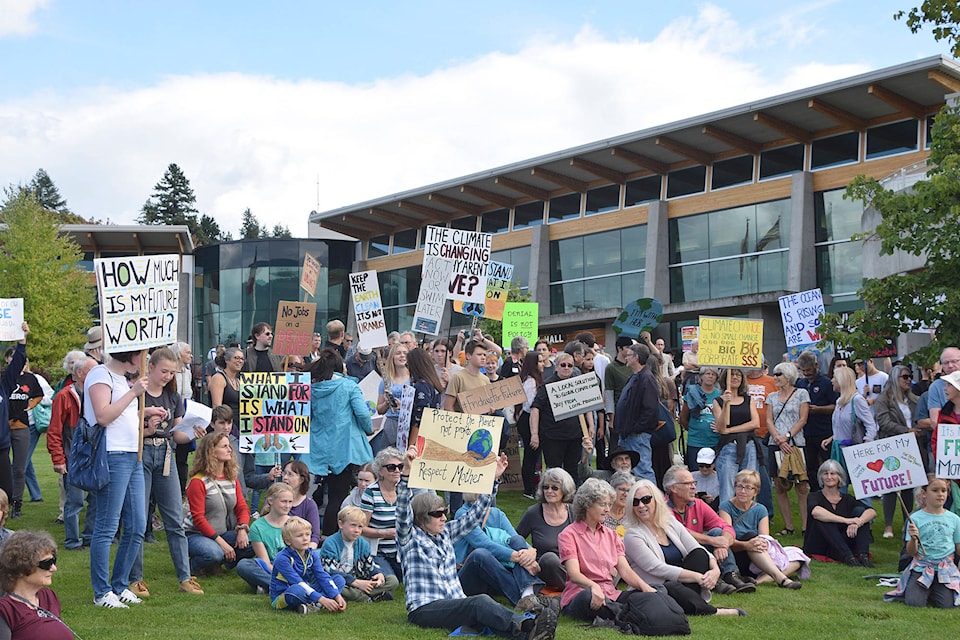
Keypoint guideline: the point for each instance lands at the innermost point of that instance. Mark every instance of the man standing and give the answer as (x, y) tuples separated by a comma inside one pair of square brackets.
[(600, 359), (823, 399), (615, 378), (259, 356), (360, 362), (638, 410), (514, 362), (936, 395), (669, 368), (759, 386), (409, 340), (314, 348), (335, 331), (872, 382)]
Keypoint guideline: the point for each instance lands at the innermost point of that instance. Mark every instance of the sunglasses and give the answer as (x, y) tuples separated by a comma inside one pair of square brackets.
[(565, 365), (439, 513), (777, 374), (551, 487), (393, 467), (642, 500), (907, 376), (48, 563)]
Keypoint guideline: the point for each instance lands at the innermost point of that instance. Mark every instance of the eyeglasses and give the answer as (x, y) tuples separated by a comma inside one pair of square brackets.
[(623, 489), (565, 365), (439, 513), (642, 500), (704, 466), (954, 361), (744, 487), (48, 563), (267, 333), (777, 374), (551, 487), (907, 376), (393, 467), (689, 484)]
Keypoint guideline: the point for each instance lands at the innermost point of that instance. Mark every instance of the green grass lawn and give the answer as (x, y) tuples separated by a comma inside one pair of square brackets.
[(835, 603)]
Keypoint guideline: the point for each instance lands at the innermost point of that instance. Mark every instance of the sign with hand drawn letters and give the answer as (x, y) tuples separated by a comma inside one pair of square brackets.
[(496, 395), (435, 276), (293, 331), (275, 412), (948, 451), (730, 342), (310, 274), (574, 396), (800, 313), (11, 319), (139, 297), (499, 275), (885, 466), (368, 309), (456, 452)]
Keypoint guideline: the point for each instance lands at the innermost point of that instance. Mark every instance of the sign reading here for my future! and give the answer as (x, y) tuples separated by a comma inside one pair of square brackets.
[(885, 465), (275, 412), (138, 301), (456, 452), (574, 396), (730, 342)]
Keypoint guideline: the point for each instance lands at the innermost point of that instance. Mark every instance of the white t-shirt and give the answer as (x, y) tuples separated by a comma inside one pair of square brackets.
[(122, 434), (878, 381)]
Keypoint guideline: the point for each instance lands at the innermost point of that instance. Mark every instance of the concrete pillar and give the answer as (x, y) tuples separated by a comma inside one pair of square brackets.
[(774, 342), (539, 277), (802, 261), (656, 281)]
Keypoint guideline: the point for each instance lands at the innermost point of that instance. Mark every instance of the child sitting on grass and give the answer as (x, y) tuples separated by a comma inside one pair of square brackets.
[(266, 537), (299, 582), (347, 554)]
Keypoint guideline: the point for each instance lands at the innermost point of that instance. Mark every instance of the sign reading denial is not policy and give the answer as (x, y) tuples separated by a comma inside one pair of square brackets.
[(139, 296)]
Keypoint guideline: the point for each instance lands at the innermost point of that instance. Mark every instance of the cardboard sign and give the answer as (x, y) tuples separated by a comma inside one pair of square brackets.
[(11, 319), (512, 480), (310, 274), (497, 395), (139, 297), (800, 313), (730, 342), (574, 396), (406, 413), (884, 466), (456, 452), (638, 316), (499, 275), (687, 336), (293, 331), (948, 451), (275, 412), (368, 309), (521, 319), (469, 254), (434, 280)]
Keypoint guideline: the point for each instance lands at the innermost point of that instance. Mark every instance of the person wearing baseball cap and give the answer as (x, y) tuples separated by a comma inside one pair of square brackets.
[(708, 482)]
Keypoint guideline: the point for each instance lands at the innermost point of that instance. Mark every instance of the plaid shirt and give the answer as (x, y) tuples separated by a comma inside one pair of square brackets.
[(429, 562)]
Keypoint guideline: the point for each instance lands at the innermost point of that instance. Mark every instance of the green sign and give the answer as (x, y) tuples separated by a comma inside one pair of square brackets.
[(520, 319)]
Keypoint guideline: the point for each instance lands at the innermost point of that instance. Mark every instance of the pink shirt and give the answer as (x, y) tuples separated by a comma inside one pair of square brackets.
[(597, 552)]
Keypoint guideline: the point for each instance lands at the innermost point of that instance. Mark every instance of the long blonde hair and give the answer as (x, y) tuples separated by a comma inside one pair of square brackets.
[(275, 489), (391, 365), (847, 381)]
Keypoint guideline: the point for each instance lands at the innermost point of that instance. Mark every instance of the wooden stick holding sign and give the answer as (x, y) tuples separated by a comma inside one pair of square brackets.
[(143, 406), (906, 514)]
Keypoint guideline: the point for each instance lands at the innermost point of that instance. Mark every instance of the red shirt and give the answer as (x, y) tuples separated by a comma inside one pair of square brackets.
[(700, 518), (26, 623), (597, 553)]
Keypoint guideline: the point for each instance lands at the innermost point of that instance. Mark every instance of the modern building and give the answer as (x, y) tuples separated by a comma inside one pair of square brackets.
[(714, 215)]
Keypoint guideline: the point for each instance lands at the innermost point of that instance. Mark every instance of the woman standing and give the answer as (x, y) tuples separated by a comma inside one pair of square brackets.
[(30, 609), (736, 448), (184, 377), (428, 391), (380, 503), (338, 441), (786, 417), (893, 411), (839, 524), (696, 415), (544, 521), (391, 390), (224, 386), (853, 421), (25, 395), (531, 376), (562, 440)]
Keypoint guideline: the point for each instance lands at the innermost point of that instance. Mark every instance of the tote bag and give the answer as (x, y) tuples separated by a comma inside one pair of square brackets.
[(87, 466)]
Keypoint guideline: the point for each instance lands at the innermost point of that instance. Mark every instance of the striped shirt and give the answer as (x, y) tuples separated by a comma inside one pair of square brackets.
[(382, 516)]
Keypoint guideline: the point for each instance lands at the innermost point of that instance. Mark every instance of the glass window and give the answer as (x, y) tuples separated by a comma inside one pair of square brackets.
[(400, 286), (684, 182), (603, 199), (888, 139), (835, 150), (468, 223), (840, 267), (732, 232), (233, 280), (633, 248), (688, 239), (631, 287), (772, 229), (781, 161), (378, 246), (527, 215), (836, 218), (567, 297), (566, 259), (601, 254), (929, 129), (691, 282), (732, 171), (642, 190), (520, 259), (231, 255), (497, 221), (404, 241), (565, 207)]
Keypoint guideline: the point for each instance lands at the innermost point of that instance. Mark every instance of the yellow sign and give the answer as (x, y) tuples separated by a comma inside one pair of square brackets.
[(456, 452), (731, 342)]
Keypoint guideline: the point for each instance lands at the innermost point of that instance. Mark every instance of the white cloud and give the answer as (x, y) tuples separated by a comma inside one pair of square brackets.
[(249, 141), (16, 16)]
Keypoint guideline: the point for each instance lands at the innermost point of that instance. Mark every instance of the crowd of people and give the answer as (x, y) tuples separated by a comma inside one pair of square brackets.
[(612, 508)]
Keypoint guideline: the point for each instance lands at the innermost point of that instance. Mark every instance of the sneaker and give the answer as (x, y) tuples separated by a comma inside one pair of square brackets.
[(59, 521), (550, 602), (109, 601), (254, 516), (529, 603), (191, 586), (544, 626), (309, 608), (150, 538), (262, 592), (140, 588), (129, 597)]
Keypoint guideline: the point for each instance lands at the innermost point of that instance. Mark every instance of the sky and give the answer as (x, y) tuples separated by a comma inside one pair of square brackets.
[(288, 107)]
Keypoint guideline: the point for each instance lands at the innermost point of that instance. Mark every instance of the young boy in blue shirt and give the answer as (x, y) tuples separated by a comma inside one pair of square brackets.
[(299, 583), (347, 555)]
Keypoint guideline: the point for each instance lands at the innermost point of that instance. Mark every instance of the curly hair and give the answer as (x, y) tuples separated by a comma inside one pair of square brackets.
[(299, 467), (4, 507), (559, 475), (384, 456), (20, 553), (203, 462), (592, 491)]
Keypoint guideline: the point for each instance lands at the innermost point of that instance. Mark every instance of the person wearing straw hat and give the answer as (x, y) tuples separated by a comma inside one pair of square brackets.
[(94, 344)]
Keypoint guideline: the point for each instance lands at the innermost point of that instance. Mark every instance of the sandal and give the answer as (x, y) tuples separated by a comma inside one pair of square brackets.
[(787, 532), (790, 584)]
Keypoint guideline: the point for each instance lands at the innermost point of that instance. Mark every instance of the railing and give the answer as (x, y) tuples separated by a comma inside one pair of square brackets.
[(906, 177)]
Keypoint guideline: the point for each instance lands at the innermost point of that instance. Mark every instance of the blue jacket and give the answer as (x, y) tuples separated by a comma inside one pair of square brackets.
[(364, 566), (339, 425), (9, 382), (477, 538), (290, 569)]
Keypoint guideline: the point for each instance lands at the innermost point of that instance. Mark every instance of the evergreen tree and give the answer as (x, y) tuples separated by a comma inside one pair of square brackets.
[(281, 231), (208, 232), (46, 193), (172, 202), (250, 228)]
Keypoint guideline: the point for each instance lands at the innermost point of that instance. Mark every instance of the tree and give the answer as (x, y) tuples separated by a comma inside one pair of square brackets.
[(41, 266), (250, 228), (208, 232), (173, 202), (281, 231), (494, 328), (943, 14), (920, 222), (43, 190)]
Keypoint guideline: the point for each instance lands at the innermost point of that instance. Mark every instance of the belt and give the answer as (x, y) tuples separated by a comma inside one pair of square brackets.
[(156, 442)]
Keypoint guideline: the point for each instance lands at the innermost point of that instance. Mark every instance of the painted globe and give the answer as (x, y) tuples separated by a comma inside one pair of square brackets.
[(480, 443)]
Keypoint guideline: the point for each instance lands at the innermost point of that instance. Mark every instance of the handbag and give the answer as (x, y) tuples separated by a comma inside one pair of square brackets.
[(41, 417), (666, 431), (87, 466)]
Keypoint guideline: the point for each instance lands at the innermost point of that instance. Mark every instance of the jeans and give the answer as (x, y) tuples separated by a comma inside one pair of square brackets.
[(20, 445), (765, 495), (389, 566), (122, 499), (482, 573), (296, 595), (729, 563), (30, 474), (253, 573), (640, 442), (476, 612), (166, 491), (206, 553), (727, 467), (71, 515)]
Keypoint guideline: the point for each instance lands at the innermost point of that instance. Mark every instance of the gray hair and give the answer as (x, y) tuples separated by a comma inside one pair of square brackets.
[(71, 359), (383, 457), (808, 359), (592, 491), (712, 370), (559, 475), (177, 348), (836, 467), (622, 477), (518, 344), (789, 371), (574, 347), (422, 504), (892, 389), (670, 477)]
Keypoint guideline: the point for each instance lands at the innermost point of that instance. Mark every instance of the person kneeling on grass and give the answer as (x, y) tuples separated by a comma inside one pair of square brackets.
[(299, 582), (347, 554), (434, 596)]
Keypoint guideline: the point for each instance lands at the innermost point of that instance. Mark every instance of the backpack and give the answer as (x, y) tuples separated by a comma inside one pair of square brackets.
[(650, 614), (41, 417)]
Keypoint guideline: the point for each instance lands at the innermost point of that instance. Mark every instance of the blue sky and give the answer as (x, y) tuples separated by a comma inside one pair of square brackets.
[(256, 101)]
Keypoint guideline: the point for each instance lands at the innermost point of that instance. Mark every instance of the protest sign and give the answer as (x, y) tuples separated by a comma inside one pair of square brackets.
[(434, 280), (730, 342), (520, 319), (469, 253), (497, 395), (370, 388), (687, 336), (800, 313), (403, 422), (275, 412), (885, 465), (368, 309), (512, 480), (456, 452), (11, 319), (499, 275), (194, 415), (310, 274), (640, 315), (139, 298), (948, 451), (574, 396), (293, 331)]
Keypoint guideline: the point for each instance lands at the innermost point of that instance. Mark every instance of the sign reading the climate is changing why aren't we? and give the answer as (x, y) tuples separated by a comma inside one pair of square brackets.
[(139, 297)]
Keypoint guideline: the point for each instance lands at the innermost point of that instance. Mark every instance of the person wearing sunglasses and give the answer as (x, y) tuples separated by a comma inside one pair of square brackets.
[(893, 411), (434, 596), (379, 502), (29, 608), (543, 522), (661, 551), (259, 355)]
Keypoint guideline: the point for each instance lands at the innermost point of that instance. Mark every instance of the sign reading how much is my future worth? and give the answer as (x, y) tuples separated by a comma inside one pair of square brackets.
[(138, 301)]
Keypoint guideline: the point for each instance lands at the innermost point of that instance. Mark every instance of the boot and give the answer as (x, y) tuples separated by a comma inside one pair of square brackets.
[(741, 586), (17, 506)]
